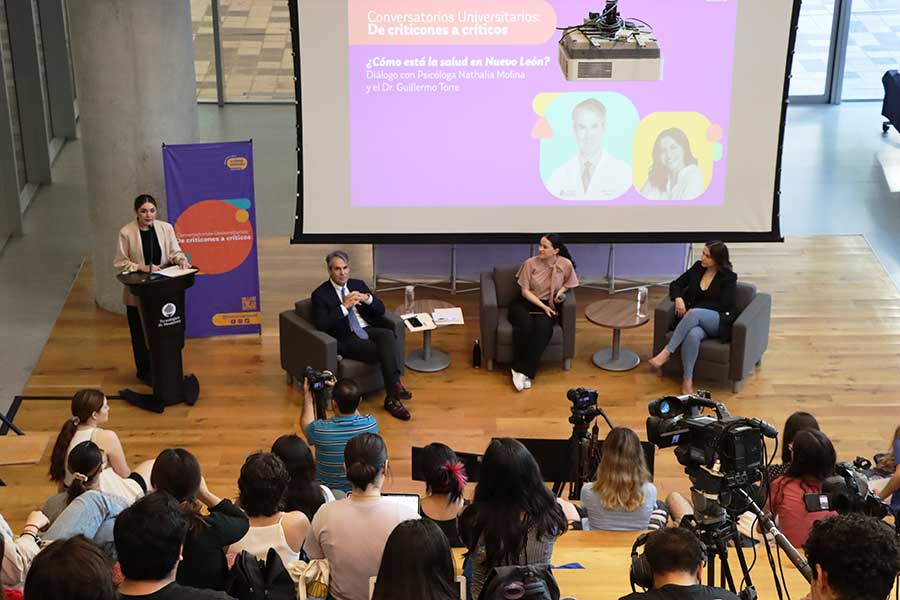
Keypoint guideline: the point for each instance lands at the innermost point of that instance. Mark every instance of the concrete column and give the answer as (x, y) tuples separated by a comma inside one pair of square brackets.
[(134, 68)]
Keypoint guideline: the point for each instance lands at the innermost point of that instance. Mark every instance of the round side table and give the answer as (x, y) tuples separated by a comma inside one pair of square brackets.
[(428, 359), (616, 314)]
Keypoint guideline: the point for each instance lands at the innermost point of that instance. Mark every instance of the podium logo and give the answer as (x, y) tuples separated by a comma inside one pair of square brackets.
[(168, 310)]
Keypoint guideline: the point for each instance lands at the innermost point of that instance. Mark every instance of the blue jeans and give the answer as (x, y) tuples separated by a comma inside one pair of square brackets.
[(93, 515), (695, 325)]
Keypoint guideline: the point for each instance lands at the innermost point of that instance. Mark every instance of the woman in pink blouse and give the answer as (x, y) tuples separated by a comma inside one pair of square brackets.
[(544, 280)]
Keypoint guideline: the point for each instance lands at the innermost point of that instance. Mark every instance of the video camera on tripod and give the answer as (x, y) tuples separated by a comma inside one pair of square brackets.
[(720, 453), (723, 456)]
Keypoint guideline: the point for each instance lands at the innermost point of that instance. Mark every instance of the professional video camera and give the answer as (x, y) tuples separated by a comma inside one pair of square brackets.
[(316, 382), (584, 407), (720, 453), (847, 491), (723, 457)]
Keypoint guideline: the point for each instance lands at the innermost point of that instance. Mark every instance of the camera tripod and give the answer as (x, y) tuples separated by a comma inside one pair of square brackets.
[(715, 528), (583, 453)]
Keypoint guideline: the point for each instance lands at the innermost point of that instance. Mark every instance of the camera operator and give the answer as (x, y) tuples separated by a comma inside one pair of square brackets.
[(853, 557), (676, 558), (329, 436)]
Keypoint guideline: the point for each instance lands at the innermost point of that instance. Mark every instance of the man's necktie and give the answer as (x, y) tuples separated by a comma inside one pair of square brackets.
[(355, 327), (586, 176)]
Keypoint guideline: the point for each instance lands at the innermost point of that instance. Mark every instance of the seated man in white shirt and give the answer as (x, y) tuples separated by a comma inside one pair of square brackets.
[(346, 310), (593, 173)]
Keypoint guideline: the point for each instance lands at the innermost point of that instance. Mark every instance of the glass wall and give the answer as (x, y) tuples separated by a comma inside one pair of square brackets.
[(255, 46), (873, 47), (809, 73)]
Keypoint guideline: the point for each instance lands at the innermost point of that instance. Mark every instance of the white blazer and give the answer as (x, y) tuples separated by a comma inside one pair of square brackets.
[(611, 179)]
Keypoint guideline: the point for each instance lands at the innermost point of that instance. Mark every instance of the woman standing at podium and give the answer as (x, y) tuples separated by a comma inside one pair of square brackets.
[(146, 244)]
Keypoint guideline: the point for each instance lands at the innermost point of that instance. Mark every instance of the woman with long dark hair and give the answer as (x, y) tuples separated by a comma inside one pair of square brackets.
[(704, 307), (203, 565), (351, 533), (416, 565), (146, 244), (90, 409), (812, 461), (514, 518), (674, 173), (543, 280), (445, 482), (797, 422), (304, 492), (622, 497)]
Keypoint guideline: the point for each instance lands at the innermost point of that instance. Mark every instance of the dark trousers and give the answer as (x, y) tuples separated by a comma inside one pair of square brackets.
[(379, 348), (138, 344), (531, 334)]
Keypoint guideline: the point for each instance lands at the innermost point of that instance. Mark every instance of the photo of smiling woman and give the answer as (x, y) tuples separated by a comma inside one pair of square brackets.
[(674, 173)]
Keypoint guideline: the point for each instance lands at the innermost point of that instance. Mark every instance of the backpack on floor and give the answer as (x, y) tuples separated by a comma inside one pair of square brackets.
[(528, 582), (253, 579)]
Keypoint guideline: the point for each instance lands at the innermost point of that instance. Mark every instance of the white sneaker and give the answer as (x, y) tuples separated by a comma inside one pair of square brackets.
[(518, 380), (527, 385)]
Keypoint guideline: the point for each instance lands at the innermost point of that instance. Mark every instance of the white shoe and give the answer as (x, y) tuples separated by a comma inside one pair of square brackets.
[(527, 385), (518, 380)]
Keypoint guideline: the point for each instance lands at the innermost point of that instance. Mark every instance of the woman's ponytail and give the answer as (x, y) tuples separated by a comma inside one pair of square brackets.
[(84, 404), (85, 462)]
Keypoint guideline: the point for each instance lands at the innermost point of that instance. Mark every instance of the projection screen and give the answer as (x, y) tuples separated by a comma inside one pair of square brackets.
[(494, 120)]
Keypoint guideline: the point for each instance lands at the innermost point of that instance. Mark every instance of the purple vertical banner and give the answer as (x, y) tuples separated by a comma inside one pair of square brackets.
[(209, 193)]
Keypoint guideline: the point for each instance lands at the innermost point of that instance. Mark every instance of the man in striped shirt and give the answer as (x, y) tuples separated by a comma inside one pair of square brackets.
[(329, 436)]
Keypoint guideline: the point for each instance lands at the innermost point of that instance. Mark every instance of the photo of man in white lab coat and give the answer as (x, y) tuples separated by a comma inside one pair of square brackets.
[(593, 173)]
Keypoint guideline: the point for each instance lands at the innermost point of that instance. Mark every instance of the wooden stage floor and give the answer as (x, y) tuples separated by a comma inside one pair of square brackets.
[(834, 350)]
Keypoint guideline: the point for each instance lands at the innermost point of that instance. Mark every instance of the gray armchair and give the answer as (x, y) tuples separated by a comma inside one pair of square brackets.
[(498, 289), (303, 345), (721, 361)]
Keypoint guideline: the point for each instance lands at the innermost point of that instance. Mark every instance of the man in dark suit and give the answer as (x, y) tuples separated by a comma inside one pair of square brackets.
[(345, 309)]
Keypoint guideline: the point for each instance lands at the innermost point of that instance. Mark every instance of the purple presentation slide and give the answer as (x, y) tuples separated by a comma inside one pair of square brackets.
[(524, 103)]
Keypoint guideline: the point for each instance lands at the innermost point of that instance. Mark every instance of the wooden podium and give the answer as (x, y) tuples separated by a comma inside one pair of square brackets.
[(161, 305)]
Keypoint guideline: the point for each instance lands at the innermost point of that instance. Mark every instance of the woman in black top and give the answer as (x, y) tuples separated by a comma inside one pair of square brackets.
[(203, 565), (704, 305), (445, 481)]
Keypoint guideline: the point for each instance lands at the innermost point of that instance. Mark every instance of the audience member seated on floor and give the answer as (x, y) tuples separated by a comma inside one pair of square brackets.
[(72, 569), (798, 421), (329, 436), (417, 564), (85, 462), (704, 308), (90, 409), (18, 552), (812, 460), (85, 509), (676, 558), (622, 497), (203, 565), (262, 484), (445, 482), (351, 533), (304, 492), (514, 518), (889, 462), (348, 311), (853, 557), (149, 537)]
